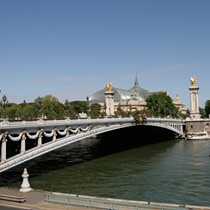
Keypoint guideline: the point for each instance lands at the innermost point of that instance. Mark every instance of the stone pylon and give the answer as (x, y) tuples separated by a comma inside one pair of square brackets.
[(25, 186), (194, 100), (109, 101)]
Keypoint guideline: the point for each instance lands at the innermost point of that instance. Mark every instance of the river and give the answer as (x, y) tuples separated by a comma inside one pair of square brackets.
[(172, 171)]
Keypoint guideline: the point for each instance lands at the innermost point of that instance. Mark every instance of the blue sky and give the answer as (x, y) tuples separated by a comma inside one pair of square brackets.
[(73, 48)]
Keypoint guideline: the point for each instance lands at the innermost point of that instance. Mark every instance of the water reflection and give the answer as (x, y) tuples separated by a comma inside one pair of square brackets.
[(174, 171)]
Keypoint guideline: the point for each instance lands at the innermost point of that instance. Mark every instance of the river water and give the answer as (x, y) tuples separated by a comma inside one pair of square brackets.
[(173, 171)]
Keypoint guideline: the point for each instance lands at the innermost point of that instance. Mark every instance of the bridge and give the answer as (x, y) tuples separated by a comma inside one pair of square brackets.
[(26, 140)]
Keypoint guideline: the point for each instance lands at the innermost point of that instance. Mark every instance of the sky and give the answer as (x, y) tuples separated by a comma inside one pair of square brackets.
[(72, 48)]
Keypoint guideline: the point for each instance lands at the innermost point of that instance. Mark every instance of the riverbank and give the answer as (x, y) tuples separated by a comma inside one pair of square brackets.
[(41, 200), (33, 200)]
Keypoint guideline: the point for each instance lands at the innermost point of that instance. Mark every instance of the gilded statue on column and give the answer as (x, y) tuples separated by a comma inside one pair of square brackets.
[(109, 87), (193, 81)]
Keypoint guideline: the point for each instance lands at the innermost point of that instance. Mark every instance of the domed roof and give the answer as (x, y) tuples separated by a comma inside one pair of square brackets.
[(140, 91), (136, 93)]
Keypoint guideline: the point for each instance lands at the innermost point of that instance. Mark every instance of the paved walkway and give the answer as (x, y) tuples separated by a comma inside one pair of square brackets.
[(34, 201)]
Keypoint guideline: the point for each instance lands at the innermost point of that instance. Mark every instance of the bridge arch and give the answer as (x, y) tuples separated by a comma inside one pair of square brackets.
[(68, 133)]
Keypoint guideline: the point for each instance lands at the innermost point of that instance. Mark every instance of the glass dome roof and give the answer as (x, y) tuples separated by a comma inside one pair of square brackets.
[(135, 93)]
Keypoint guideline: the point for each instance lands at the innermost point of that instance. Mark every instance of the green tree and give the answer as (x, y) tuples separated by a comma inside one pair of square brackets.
[(50, 107), (95, 110), (207, 107), (27, 111), (161, 104), (120, 112), (202, 112), (12, 111), (79, 106), (69, 110)]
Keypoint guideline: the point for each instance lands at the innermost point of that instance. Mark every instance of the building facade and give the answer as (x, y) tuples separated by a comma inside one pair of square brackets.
[(130, 100)]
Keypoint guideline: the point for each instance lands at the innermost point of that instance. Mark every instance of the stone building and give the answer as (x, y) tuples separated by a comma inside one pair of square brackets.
[(182, 108), (130, 100)]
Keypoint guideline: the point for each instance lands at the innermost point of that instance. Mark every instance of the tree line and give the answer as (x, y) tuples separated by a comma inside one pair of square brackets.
[(48, 107)]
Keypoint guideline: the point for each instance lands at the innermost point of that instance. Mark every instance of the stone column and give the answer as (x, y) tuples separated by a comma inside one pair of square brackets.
[(3, 149), (23, 144), (54, 135), (40, 140), (194, 100), (109, 101)]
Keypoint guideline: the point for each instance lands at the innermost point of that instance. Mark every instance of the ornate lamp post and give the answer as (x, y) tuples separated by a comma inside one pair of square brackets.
[(88, 107), (4, 101)]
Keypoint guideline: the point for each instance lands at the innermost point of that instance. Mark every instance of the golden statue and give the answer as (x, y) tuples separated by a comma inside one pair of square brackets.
[(109, 87), (193, 81)]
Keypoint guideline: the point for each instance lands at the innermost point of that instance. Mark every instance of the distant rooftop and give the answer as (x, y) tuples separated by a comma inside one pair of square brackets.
[(136, 93)]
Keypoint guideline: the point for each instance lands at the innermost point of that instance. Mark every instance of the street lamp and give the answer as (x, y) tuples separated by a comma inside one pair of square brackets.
[(39, 105), (4, 100), (88, 106)]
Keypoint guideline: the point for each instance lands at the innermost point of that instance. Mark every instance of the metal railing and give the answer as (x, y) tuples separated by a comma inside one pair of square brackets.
[(106, 203)]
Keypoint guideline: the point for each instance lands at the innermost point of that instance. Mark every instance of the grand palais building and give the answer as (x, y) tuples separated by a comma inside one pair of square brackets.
[(130, 100)]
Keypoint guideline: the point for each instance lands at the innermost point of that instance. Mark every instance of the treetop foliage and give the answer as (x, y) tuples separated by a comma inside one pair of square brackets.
[(159, 104)]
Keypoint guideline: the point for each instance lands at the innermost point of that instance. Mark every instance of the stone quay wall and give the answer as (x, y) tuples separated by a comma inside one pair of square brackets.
[(196, 125)]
